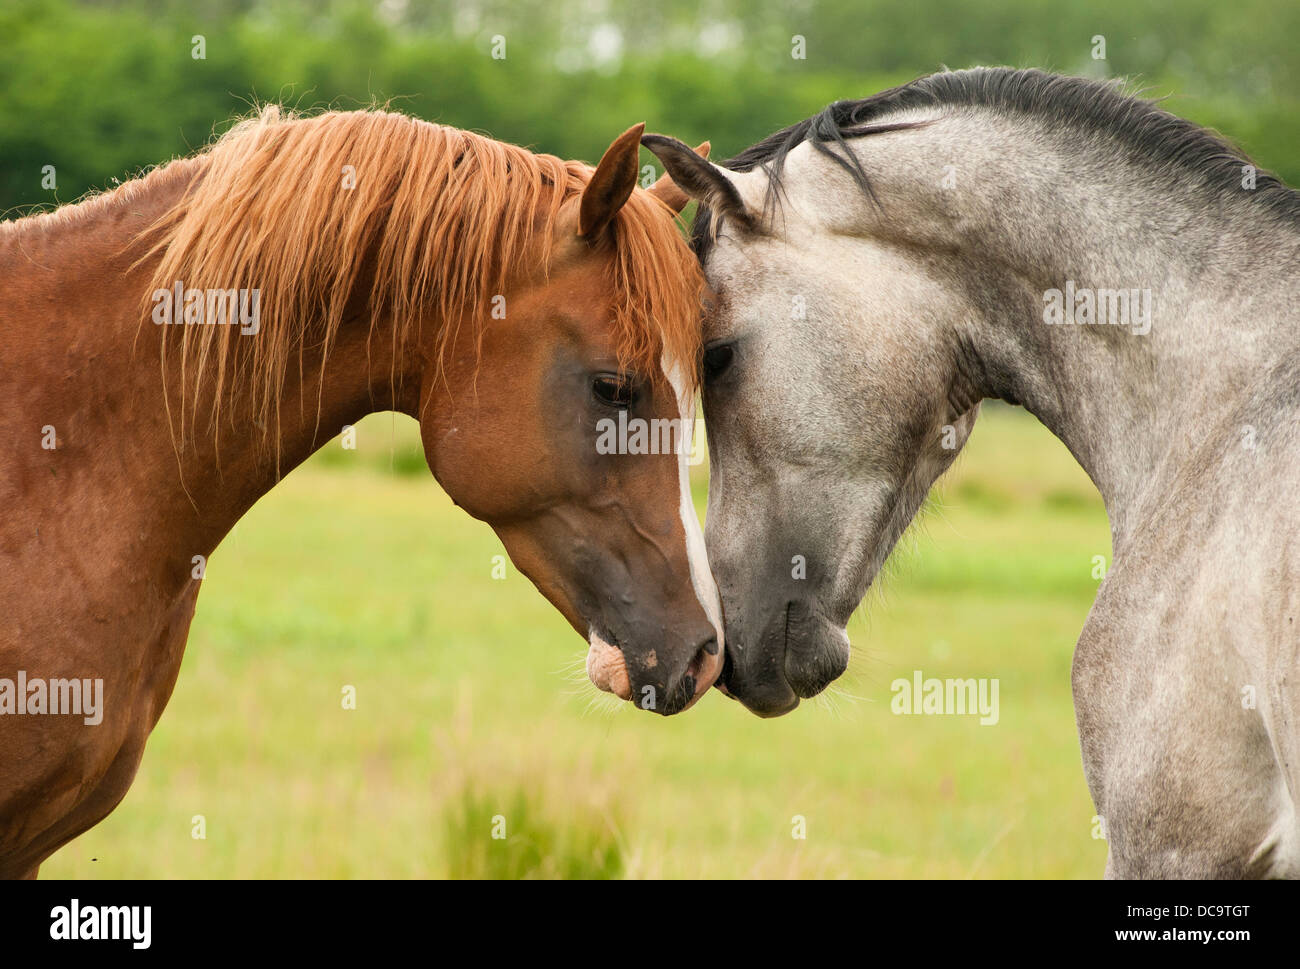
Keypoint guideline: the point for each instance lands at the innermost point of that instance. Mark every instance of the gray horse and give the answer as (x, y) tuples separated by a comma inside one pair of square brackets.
[(1127, 277)]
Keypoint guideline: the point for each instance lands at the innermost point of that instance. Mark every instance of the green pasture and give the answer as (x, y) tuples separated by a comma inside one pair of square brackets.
[(472, 711)]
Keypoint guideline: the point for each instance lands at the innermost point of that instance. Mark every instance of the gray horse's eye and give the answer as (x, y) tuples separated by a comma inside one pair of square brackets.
[(717, 359)]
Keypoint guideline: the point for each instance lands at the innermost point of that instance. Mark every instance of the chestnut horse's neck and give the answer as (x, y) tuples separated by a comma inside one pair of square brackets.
[(79, 360)]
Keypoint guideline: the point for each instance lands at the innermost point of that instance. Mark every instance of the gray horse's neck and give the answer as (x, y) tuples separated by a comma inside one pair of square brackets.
[(1017, 218)]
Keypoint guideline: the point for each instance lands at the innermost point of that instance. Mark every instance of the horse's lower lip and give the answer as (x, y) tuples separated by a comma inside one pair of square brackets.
[(607, 669)]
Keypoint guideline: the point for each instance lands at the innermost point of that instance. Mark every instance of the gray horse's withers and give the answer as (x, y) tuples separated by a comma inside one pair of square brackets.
[(1128, 279)]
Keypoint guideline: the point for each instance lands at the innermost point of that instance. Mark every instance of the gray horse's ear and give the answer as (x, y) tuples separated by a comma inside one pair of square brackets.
[(666, 190), (700, 179)]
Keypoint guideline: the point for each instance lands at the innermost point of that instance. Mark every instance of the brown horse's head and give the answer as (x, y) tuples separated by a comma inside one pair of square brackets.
[(539, 317), (530, 420)]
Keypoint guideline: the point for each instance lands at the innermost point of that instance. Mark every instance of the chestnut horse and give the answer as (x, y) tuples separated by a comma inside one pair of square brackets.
[(360, 261)]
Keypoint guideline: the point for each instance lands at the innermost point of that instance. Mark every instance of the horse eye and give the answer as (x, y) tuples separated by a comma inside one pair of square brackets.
[(717, 359), (613, 390)]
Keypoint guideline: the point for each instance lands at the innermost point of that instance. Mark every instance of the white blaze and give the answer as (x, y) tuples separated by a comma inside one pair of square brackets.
[(706, 590)]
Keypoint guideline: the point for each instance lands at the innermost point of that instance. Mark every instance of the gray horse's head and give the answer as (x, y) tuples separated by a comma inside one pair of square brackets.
[(831, 406)]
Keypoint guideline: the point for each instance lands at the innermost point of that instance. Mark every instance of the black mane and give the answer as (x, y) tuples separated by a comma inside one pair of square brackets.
[(1148, 132)]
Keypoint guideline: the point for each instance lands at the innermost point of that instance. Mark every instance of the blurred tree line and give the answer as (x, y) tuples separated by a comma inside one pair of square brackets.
[(100, 89)]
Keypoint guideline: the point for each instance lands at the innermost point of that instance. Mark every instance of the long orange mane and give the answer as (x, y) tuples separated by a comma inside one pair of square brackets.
[(303, 209)]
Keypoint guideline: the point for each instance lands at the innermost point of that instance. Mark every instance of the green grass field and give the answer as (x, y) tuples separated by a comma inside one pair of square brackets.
[(471, 704)]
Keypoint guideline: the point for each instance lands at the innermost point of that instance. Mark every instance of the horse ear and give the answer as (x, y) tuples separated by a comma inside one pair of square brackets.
[(612, 183), (666, 190), (698, 178)]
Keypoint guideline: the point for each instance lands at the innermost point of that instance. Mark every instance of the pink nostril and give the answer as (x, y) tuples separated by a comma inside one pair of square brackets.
[(706, 666)]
